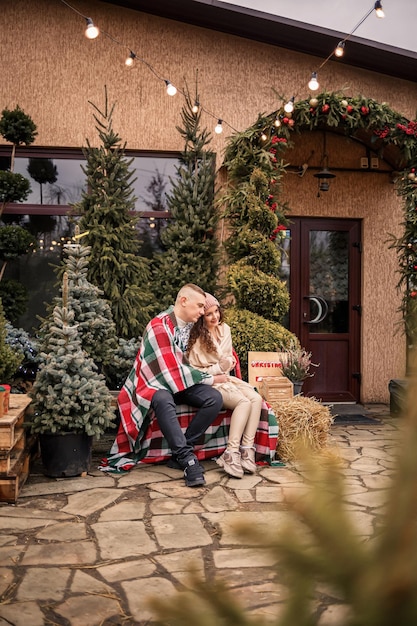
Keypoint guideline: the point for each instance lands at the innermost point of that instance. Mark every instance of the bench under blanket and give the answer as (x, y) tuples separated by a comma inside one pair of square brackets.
[(152, 447)]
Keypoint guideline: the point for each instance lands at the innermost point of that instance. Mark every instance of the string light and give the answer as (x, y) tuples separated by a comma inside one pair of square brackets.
[(378, 9), (91, 32), (264, 136), (289, 107), (219, 127), (130, 59), (340, 48), (171, 89), (313, 84)]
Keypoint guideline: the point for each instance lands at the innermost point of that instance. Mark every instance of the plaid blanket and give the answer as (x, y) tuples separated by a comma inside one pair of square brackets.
[(161, 364)]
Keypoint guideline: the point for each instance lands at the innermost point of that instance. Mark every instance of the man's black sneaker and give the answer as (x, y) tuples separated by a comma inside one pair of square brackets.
[(173, 464), (193, 474)]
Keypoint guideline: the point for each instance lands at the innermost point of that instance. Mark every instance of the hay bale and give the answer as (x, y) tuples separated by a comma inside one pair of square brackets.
[(302, 422)]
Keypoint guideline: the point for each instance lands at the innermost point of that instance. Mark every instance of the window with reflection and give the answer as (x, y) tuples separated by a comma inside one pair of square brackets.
[(57, 181)]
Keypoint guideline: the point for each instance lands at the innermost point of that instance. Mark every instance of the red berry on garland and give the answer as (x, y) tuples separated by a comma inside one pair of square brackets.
[(413, 294), (349, 108), (285, 120), (343, 117), (325, 108), (291, 123), (364, 110)]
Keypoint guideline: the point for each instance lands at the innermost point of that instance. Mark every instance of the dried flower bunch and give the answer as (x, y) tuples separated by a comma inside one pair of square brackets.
[(295, 363)]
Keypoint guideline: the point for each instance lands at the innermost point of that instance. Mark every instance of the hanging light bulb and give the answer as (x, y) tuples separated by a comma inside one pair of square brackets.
[(340, 49), (378, 9), (313, 84), (196, 106), (91, 32), (171, 90), (219, 127), (130, 59), (264, 136), (277, 122), (289, 107)]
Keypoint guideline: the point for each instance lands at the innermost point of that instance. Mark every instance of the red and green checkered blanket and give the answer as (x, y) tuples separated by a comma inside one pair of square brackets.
[(152, 447)]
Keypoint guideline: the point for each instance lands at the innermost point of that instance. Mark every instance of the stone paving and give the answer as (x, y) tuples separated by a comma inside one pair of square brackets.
[(90, 550)]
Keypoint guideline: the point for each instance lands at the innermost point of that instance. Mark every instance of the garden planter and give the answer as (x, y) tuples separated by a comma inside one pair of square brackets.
[(298, 387), (65, 454)]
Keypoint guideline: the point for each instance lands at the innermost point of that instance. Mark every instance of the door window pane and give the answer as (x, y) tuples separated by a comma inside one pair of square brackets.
[(329, 288)]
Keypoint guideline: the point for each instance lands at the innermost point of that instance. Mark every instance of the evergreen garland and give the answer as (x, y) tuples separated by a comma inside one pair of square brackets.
[(249, 150), (109, 227), (190, 239)]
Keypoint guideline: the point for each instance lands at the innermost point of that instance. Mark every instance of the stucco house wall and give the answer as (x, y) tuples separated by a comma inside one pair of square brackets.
[(52, 72)]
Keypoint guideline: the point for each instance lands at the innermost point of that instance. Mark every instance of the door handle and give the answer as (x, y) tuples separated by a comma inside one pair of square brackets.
[(322, 309)]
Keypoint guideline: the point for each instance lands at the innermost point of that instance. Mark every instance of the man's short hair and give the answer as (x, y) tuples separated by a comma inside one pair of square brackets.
[(184, 292)]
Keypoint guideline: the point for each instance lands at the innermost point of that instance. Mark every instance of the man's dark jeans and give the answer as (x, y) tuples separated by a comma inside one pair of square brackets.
[(208, 402)]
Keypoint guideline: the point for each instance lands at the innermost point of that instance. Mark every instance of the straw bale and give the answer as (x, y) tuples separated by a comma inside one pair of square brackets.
[(303, 422)]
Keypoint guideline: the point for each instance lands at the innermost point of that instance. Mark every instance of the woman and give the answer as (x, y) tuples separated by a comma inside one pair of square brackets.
[(210, 350)]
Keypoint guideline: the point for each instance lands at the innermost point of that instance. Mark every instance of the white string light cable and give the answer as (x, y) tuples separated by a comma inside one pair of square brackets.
[(92, 32)]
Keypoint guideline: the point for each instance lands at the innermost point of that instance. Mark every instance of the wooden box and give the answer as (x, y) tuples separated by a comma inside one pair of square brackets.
[(276, 388), (15, 449)]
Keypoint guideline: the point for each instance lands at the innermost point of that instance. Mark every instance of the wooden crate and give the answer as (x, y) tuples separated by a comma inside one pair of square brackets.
[(276, 388), (12, 483), (11, 422), (15, 449)]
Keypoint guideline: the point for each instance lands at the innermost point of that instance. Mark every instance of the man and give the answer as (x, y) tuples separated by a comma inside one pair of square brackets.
[(160, 379)]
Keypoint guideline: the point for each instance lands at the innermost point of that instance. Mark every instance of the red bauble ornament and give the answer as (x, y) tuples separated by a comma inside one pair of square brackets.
[(325, 108), (364, 110), (285, 120), (349, 108)]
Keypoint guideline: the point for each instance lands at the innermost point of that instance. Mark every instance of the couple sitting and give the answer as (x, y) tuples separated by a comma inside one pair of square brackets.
[(186, 358)]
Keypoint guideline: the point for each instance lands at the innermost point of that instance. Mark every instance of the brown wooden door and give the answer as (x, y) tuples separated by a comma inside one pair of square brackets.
[(325, 312)]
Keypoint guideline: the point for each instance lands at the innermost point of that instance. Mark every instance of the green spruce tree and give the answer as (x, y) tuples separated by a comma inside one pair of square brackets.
[(92, 313), (69, 395), (190, 239), (105, 209)]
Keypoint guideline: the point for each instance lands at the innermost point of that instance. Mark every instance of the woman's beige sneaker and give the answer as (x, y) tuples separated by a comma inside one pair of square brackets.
[(247, 460), (230, 462)]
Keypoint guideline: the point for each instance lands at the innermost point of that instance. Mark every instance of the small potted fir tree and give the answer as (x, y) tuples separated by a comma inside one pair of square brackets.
[(71, 401)]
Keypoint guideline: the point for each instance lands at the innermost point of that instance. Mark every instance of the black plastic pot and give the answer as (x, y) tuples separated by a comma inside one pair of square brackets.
[(65, 454)]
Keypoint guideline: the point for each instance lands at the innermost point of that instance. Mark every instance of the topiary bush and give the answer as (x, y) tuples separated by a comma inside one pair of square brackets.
[(259, 292)]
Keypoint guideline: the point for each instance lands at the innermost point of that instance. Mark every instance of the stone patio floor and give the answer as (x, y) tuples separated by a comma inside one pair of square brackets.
[(89, 550)]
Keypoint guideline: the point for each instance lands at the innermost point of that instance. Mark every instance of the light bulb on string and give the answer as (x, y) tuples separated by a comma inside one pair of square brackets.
[(130, 59), (340, 49), (91, 32), (313, 84), (196, 106), (171, 89), (219, 127), (378, 9), (264, 136), (277, 122), (289, 107)]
